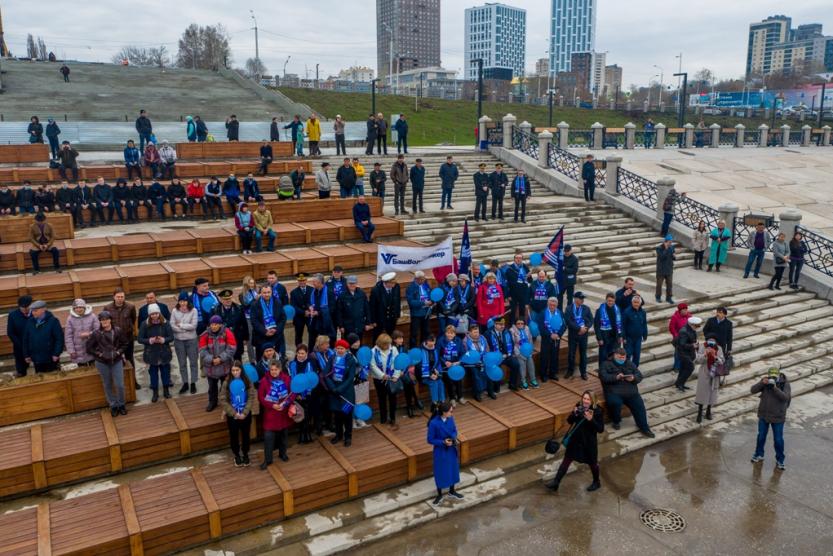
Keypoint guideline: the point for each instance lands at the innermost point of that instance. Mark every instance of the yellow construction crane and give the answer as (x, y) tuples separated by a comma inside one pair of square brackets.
[(4, 50)]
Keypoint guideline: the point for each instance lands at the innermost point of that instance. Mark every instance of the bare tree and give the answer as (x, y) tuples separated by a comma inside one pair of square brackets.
[(143, 57), (42, 52), (255, 68), (158, 57), (204, 47), (31, 49), (705, 75)]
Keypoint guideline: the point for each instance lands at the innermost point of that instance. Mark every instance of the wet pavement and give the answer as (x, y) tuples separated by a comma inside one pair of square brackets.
[(730, 505)]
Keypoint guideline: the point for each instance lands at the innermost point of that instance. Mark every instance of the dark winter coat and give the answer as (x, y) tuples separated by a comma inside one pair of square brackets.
[(384, 307), (665, 260), (353, 312), (156, 354), (518, 290), (43, 340), (143, 125), (516, 188), (583, 446), (448, 175), (233, 130), (635, 323), (774, 399), (259, 326), (498, 183), (16, 327), (106, 347), (344, 390), (612, 385), (417, 176), (570, 270), (588, 172), (722, 332), (234, 320), (25, 197)]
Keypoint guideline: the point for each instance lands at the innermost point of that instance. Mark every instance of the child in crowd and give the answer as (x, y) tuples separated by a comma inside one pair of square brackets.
[(451, 351)]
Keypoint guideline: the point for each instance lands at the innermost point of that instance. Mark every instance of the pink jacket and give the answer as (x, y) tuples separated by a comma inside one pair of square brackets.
[(676, 323), (75, 344)]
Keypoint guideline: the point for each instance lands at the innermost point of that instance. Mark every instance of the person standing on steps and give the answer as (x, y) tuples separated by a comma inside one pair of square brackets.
[(202, 130), (293, 128), (720, 328), (780, 255), (420, 306), (377, 181), (401, 128), (448, 176), (346, 178), (588, 177), (144, 128), (579, 320), (372, 132), (609, 326), (385, 305), (274, 131), (635, 324), (275, 399), (676, 323), (481, 192), (314, 134), (620, 379), (686, 346), (338, 131), (106, 345), (399, 176), (665, 269), (381, 134), (587, 420), (186, 343), (387, 381), (711, 359), (700, 242), (124, 316), (442, 435), (521, 191), (157, 336), (721, 238), (238, 413), (668, 205), (798, 248), (52, 133), (43, 339), (758, 243), (417, 177), (15, 328), (217, 347), (232, 128), (775, 395), (570, 276), (339, 381), (498, 183), (517, 290), (552, 325)]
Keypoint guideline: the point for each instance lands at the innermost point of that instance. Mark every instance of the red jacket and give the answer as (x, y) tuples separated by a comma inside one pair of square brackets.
[(274, 420), (486, 310), (676, 323), (196, 190)]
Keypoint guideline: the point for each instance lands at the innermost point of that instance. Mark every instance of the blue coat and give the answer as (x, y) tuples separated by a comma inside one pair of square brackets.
[(446, 463), (449, 174), (417, 306), (635, 324), (44, 340)]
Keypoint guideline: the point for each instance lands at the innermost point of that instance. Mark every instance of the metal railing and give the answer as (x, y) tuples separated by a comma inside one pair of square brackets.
[(702, 137), (727, 138), (646, 139), (819, 253), (613, 140), (741, 232), (636, 188), (525, 142), (580, 138), (795, 138), (689, 212), (564, 162), (751, 137), (674, 139), (494, 135)]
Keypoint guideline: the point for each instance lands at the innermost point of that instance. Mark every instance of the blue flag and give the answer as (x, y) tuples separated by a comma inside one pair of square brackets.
[(554, 255), (465, 250)]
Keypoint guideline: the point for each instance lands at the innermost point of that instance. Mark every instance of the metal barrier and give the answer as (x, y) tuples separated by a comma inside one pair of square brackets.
[(525, 142), (636, 188), (564, 162), (613, 140), (494, 135), (580, 138), (795, 138), (751, 137), (728, 138), (689, 212), (674, 139), (741, 232), (645, 139), (819, 251), (702, 137)]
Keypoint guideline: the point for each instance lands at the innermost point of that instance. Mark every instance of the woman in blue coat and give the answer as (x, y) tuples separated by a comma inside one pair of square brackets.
[(442, 435)]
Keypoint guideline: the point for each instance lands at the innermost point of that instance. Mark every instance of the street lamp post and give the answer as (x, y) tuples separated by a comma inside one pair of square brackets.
[(284, 66), (479, 88), (550, 93), (821, 102), (682, 99), (373, 95), (661, 76)]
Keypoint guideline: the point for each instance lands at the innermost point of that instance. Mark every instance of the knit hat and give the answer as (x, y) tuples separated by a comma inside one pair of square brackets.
[(153, 308), (450, 276), (352, 279), (79, 303), (343, 343), (105, 315), (183, 296), (216, 319), (669, 237), (682, 306)]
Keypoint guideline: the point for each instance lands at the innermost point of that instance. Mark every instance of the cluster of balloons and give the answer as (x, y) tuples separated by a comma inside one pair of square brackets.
[(302, 382)]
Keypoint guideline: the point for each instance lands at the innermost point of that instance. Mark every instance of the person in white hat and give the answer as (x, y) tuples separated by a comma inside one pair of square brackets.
[(385, 305), (418, 295), (686, 346)]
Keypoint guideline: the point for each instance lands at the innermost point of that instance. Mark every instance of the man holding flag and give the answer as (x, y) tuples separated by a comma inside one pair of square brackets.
[(554, 255)]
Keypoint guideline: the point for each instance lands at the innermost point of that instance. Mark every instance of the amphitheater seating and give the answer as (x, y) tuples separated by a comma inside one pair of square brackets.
[(21, 154), (233, 149), (15, 229)]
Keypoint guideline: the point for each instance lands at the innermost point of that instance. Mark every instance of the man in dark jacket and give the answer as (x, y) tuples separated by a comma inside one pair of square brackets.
[(65, 200), (540, 290), (399, 176), (517, 277), (552, 326), (720, 328), (635, 324), (385, 305), (144, 128), (321, 312), (372, 133), (7, 201), (293, 131), (497, 184), (361, 218), (588, 177), (132, 160), (84, 200), (481, 192), (570, 275), (418, 295), (775, 394), (52, 133), (140, 198), (448, 175), (68, 160), (298, 175), (124, 317), (352, 310), (521, 191), (202, 130), (346, 178), (43, 339), (232, 128), (686, 348), (268, 321), (417, 176), (266, 156), (620, 378), (401, 128), (177, 196), (233, 319), (26, 198), (381, 134), (159, 197), (103, 196), (579, 320), (274, 132), (626, 293), (665, 269), (609, 326), (15, 329), (466, 296), (299, 299), (121, 196)]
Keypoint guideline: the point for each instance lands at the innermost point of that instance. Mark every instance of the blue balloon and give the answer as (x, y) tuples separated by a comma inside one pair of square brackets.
[(250, 371), (237, 386), (493, 358), (533, 329), (362, 411), (535, 259), (490, 324), (310, 380), (401, 362), (415, 356), (298, 385), (471, 357), (456, 372), (526, 349), (483, 270), (494, 373), (289, 311), (437, 295), (364, 355)]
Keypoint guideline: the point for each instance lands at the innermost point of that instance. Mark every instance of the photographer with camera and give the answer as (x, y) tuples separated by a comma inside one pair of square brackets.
[(775, 394), (587, 420)]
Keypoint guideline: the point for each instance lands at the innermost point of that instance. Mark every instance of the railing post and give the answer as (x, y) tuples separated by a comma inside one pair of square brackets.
[(508, 123), (560, 100), (628, 105), (785, 135), (660, 136), (598, 136), (789, 219), (544, 140), (740, 131), (715, 135), (825, 136), (645, 106), (728, 212), (806, 133), (689, 136), (612, 175), (630, 135), (482, 132), (611, 104), (563, 135), (525, 127), (664, 185), (763, 135)]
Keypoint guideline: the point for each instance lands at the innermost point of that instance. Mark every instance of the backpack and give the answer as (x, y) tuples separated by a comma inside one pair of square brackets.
[(209, 138), (285, 187)]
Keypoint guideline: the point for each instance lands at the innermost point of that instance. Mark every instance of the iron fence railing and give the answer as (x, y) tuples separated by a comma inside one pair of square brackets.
[(702, 137), (819, 253), (741, 232), (646, 139), (674, 139), (580, 138), (494, 135), (636, 188), (751, 137), (727, 138), (525, 142), (689, 212), (796, 137), (613, 140), (564, 162)]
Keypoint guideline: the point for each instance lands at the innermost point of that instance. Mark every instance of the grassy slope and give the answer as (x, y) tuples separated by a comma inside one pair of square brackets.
[(453, 121)]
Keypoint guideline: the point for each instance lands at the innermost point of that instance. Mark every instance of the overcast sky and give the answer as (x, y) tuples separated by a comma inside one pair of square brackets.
[(637, 34)]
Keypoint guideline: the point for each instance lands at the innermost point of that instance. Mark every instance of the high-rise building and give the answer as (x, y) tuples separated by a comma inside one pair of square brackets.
[(597, 74), (542, 67), (613, 80), (581, 64), (572, 29), (412, 29), (495, 33), (774, 47)]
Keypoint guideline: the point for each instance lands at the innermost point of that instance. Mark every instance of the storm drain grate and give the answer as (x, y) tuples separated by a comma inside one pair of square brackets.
[(666, 521)]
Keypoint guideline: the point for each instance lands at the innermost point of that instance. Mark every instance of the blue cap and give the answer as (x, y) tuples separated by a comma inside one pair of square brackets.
[(669, 237)]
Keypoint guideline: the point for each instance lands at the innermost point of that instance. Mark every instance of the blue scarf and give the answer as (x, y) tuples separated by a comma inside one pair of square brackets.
[(548, 317), (480, 347), (204, 304), (249, 297), (268, 315), (578, 314), (387, 368), (293, 372), (277, 391), (521, 187), (339, 367), (606, 319), (450, 350), (423, 292), (323, 359), (322, 298), (492, 294), (238, 402), (426, 362), (449, 296), (338, 287), (521, 274), (477, 280)]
